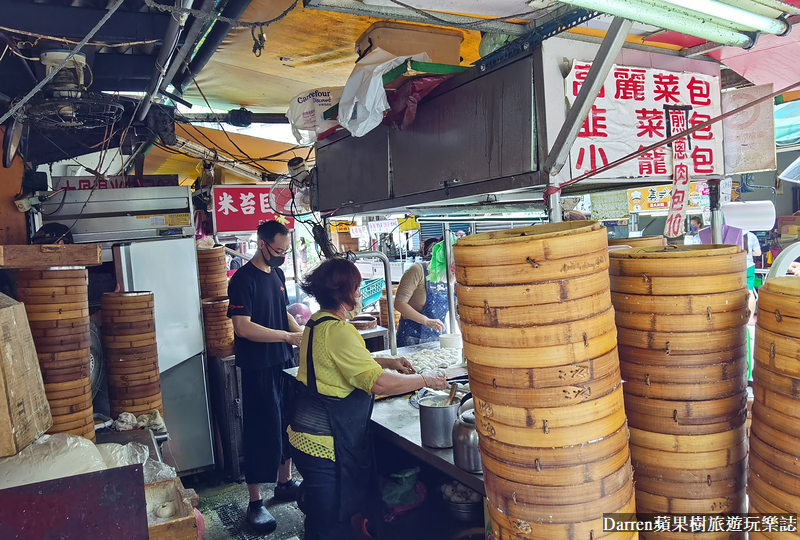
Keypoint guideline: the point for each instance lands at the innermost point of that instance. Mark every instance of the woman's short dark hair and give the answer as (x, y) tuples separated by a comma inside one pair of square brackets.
[(427, 245), (333, 283)]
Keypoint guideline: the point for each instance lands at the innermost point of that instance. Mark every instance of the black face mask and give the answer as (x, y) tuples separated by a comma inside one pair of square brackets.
[(274, 261)]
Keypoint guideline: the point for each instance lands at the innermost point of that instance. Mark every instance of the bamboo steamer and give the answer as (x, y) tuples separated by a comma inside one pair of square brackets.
[(539, 339), (131, 352), (212, 272), (680, 305), (218, 327), (688, 412), (648, 357), (642, 241), (56, 303), (711, 390), (670, 426), (657, 504)]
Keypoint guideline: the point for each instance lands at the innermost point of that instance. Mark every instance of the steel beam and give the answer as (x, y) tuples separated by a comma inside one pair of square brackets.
[(201, 152), (700, 50), (255, 118), (600, 69), (354, 7), (76, 22)]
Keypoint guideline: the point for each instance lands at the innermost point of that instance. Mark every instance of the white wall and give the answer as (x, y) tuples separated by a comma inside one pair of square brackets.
[(783, 203)]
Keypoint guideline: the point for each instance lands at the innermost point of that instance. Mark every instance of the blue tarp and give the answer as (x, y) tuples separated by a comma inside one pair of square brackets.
[(787, 123)]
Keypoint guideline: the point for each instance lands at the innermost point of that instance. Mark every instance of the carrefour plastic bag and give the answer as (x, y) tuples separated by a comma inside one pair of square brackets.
[(305, 113), (364, 98)]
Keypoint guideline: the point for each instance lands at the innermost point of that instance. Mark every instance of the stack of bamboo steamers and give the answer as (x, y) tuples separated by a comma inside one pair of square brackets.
[(539, 337), (130, 351), (681, 313), (217, 326), (773, 483), (57, 304)]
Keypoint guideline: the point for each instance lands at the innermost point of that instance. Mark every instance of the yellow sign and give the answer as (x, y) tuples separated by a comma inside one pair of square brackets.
[(657, 198), (408, 224), (342, 226)]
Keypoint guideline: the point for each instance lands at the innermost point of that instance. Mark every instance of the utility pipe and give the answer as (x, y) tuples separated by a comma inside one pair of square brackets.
[(676, 19), (168, 45), (765, 7), (296, 268), (188, 44), (387, 274)]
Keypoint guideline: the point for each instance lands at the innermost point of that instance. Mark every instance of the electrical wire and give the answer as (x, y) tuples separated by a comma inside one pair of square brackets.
[(468, 26), (64, 40)]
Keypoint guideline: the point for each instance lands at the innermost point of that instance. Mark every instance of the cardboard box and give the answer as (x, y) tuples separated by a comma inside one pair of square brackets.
[(790, 229), (24, 411), (788, 220)]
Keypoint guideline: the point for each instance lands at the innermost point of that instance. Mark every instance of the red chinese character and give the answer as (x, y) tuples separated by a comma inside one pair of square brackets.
[(652, 163), (703, 160), (581, 71), (84, 184), (677, 120), (701, 134), (678, 200), (679, 149), (666, 87), (699, 92), (651, 123), (593, 154), (630, 84), (681, 175), (594, 125), (102, 184)]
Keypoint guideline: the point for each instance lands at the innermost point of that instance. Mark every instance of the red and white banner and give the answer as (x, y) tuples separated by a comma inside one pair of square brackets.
[(632, 112), (682, 165), (241, 209)]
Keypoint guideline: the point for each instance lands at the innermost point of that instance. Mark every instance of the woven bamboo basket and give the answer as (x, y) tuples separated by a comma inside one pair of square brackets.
[(681, 313), (643, 241), (57, 305), (131, 352), (383, 320), (540, 343), (774, 461), (212, 271), (218, 327)]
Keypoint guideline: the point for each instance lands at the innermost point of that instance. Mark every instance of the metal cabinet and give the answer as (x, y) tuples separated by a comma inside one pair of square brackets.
[(481, 130), (353, 171)]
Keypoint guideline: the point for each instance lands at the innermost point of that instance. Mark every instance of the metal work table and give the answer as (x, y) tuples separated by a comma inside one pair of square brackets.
[(396, 421)]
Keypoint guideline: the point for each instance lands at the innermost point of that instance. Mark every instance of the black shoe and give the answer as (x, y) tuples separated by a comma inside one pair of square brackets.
[(260, 519), (287, 491)]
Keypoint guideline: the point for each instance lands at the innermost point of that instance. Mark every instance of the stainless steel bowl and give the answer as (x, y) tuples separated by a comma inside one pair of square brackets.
[(467, 512)]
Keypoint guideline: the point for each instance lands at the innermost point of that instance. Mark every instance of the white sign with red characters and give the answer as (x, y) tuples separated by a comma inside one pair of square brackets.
[(682, 165), (632, 112), (241, 209)]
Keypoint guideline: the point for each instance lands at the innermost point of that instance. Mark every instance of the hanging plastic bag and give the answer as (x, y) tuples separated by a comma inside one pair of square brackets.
[(364, 98), (306, 110)]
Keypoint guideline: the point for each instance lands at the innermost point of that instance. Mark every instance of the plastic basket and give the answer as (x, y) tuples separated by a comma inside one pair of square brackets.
[(371, 291)]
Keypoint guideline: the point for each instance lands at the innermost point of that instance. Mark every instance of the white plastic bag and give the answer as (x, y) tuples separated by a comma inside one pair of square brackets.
[(305, 113), (364, 98)]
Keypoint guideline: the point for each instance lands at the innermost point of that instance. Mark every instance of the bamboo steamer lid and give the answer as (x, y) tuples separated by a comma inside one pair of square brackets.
[(684, 476), (777, 420), (569, 393), (683, 342), (777, 304), (522, 316), (656, 504), (669, 426), (62, 324), (215, 302), (124, 299), (773, 494), (642, 241), (564, 513), (780, 324), (558, 476), (541, 357), (533, 378), (777, 437), (547, 238), (775, 346), (541, 336), (649, 357), (692, 261), (538, 495), (38, 299), (547, 292), (667, 286), (533, 271), (788, 285), (776, 382), (53, 273), (535, 418), (56, 307), (666, 374), (776, 401), (707, 322), (702, 489), (774, 476), (28, 282), (698, 461), (514, 529), (556, 457), (59, 332), (36, 293), (689, 412)]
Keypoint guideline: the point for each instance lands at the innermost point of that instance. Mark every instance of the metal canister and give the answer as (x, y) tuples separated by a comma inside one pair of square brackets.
[(466, 453), (436, 421)]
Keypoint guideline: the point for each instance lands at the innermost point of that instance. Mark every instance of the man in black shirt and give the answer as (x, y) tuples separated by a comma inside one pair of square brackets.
[(265, 334)]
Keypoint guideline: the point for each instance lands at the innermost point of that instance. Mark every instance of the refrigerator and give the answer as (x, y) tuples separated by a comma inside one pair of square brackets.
[(168, 268)]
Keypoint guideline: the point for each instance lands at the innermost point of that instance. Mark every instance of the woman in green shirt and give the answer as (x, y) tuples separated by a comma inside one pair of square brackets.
[(329, 431)]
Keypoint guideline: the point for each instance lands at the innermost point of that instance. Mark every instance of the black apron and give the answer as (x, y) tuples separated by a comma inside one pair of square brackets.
[(347, 420)]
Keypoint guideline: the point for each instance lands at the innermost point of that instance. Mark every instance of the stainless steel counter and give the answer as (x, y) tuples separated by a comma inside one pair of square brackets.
[(396, 421)]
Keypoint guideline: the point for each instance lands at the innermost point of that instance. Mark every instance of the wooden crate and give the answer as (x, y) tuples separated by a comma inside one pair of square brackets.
[(183, 524), (50, 255)]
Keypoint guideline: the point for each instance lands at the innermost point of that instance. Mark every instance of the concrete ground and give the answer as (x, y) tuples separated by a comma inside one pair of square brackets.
[(224, 508)]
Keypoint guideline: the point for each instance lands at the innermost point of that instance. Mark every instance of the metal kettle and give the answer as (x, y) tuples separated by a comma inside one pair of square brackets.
[(466, 454)]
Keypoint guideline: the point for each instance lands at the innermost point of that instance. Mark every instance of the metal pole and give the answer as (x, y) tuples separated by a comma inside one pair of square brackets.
[(296, 265), (554, 205), (716, 211), (387, 273), (451, 294)]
